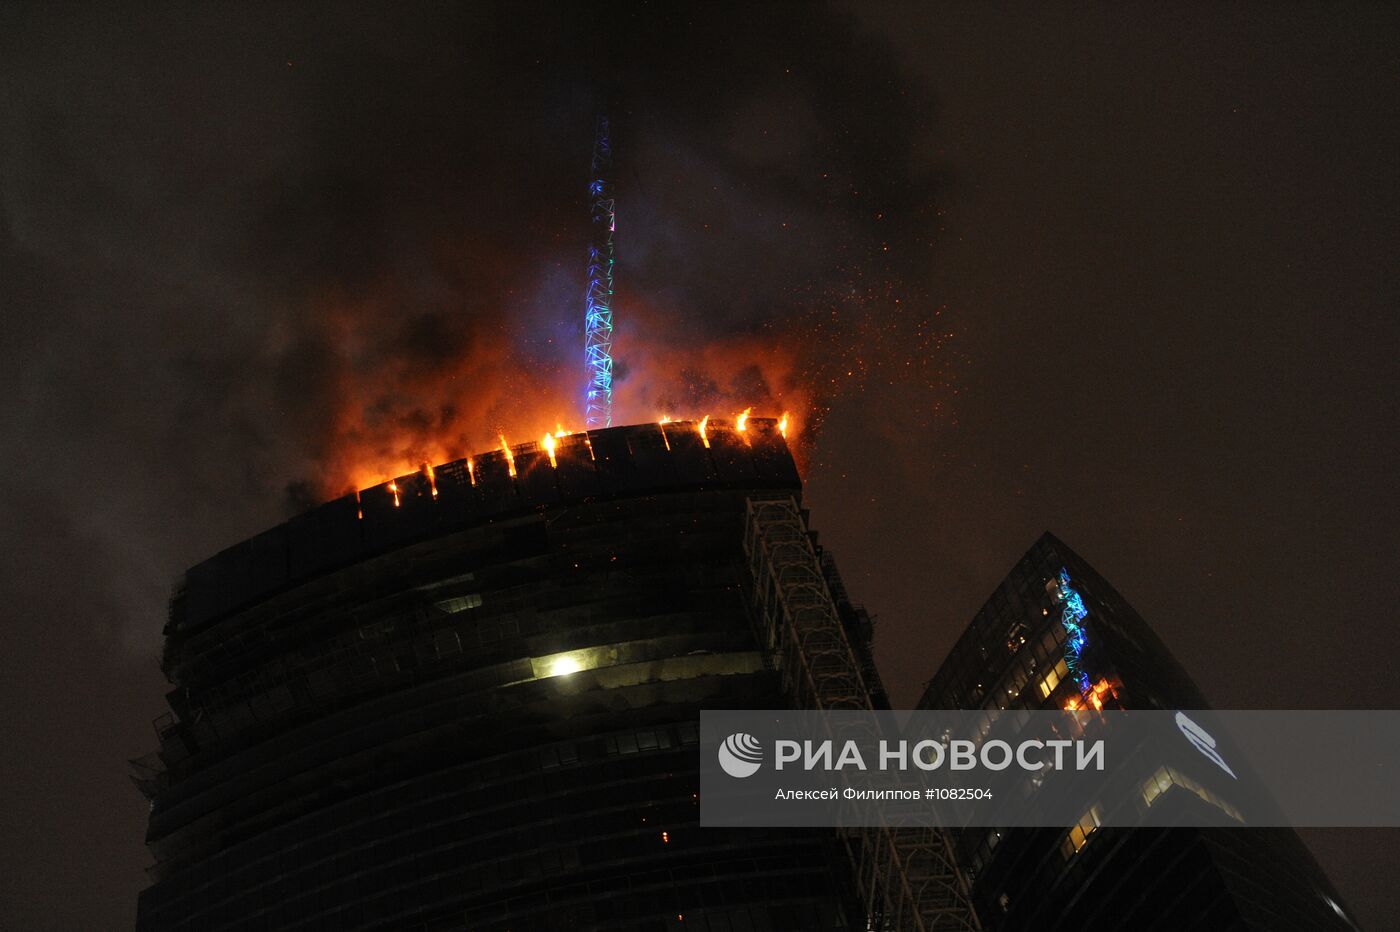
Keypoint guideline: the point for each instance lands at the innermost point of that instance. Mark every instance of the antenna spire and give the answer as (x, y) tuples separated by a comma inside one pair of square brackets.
[(598, 313)]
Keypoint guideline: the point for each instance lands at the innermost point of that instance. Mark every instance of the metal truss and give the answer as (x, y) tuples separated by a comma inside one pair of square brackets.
[(907, 878)]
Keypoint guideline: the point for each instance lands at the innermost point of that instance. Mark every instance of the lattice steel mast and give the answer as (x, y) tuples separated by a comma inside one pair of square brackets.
[(598, 313)]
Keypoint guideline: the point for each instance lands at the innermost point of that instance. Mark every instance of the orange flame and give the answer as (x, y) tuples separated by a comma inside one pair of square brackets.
[(432, 478), (471, 470), (510, 457), (548, 444), (704, 422), (393, 487), (783, 424), (741, 419)]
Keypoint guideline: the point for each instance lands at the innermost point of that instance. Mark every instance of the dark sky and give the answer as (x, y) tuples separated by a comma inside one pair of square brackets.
[(1125, 275)]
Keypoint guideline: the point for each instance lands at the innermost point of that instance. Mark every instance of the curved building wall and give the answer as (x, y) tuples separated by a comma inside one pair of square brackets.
[(1012, 656), (470, 702)]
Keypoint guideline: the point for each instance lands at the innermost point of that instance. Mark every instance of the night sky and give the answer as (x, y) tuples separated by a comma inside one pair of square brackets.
[(1126, 275)]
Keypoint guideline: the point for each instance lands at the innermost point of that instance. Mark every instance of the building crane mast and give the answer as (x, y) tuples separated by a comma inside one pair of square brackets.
[(598, 313)]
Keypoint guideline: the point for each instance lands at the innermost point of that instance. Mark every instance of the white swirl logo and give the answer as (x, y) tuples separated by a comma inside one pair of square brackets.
[(740, 755)]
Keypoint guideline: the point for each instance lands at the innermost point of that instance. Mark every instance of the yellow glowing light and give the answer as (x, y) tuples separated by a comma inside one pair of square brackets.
[(548, 444), (510, 457), (665, 419), (471, 470), (741, 420), (704, 422), (783, 424), (563, 666), (432, 478)]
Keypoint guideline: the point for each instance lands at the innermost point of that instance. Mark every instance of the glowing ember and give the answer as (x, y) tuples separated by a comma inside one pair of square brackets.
[(548, 444), (510, 457)]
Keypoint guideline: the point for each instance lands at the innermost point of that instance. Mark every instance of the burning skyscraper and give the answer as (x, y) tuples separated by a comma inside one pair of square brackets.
[(468, 698)]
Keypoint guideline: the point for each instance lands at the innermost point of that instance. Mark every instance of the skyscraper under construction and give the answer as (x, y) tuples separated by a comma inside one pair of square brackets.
[(1056, 635), (468, 699)]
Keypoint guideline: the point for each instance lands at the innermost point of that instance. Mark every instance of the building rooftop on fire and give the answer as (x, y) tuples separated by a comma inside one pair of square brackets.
[(468, 698), (590, 465)]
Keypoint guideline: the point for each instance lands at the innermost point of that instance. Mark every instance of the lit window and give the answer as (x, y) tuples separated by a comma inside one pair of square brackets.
[(459, 604), (1166, 777), (1052, 679), (1079, 834)]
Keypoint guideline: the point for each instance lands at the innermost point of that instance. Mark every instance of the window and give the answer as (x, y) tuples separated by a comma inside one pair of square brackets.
[(459, 604), (1167, 777), (1052, 679), (1079, 835)]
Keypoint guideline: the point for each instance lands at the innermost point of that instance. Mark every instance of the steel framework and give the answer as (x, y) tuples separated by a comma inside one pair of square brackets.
[(598, 313), (907, 878)]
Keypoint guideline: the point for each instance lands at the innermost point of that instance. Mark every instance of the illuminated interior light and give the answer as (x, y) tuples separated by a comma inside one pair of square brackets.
[(704, 422), (548, 444), (510, 457), (563, 666)]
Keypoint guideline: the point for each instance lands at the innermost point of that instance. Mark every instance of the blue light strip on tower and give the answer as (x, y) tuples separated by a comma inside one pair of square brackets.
[(598, 313), (1072, 616)]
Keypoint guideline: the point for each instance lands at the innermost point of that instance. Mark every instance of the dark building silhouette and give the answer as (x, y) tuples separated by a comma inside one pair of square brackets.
[(1056, 635), (468, 699)]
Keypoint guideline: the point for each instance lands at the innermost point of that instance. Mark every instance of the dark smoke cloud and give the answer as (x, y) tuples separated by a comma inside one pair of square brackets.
[(253, 258)]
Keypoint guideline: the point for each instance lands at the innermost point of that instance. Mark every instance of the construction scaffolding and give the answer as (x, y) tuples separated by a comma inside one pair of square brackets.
[(907, 878)]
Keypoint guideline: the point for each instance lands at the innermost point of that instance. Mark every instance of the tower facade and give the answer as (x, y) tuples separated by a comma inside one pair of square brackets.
[(468, 699), (1056, 635)]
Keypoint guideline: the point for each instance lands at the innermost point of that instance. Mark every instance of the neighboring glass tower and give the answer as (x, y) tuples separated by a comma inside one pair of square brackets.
[(1056, 635), (468, 699)]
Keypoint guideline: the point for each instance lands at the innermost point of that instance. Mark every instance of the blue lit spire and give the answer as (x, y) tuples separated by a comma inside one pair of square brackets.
[(598, 312), (1072, 617)]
